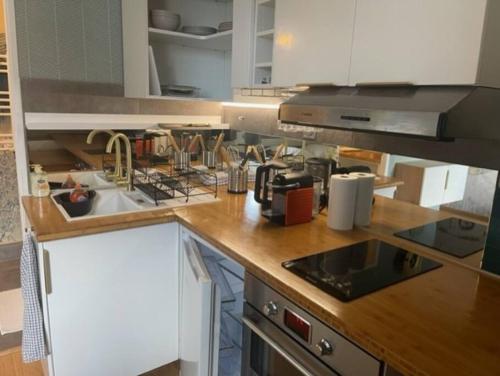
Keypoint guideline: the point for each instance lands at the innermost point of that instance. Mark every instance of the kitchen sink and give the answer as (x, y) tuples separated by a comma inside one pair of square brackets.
[(91, 179), (108, 202)]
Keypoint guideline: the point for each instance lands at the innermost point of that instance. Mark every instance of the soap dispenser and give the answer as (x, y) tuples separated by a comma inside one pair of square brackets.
[(39, 182)]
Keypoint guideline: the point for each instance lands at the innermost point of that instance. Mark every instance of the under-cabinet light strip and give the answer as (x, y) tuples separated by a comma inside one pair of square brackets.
[(252, 105)]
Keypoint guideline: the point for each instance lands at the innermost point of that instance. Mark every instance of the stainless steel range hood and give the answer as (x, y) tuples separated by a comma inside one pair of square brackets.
[(437, 112)]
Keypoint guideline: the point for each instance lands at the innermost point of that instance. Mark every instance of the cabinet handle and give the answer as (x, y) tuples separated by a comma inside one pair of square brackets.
[(46, 272), (446, 180)]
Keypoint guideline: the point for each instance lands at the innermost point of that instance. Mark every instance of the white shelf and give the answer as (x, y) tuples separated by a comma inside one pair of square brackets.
[(268, 34), (58, 121), (267, 3), (218, 41), (266, 64)]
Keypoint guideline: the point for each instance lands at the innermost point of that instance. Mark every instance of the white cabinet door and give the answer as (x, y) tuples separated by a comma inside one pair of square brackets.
[(433, 183), (242, 51), (312, 41), (417, 41), (200, 314), (456, 180), (113, 303)]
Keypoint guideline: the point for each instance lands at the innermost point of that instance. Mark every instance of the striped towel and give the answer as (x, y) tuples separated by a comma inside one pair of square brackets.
[(33, 333)]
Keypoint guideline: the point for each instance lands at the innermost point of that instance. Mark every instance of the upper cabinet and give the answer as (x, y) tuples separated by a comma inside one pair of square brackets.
[(424, 42), (177, 48), (312, 42), (284, 43)]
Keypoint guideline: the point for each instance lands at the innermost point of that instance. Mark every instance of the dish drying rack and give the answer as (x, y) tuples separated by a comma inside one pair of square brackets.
[(162, 183)]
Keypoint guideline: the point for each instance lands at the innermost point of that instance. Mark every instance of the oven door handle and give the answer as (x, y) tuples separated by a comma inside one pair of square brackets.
[(254, 328)]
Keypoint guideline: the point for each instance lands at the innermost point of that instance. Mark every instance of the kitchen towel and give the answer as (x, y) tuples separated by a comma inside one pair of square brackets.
[(342, 202), (11, 311), (33, 345), (364, 198)]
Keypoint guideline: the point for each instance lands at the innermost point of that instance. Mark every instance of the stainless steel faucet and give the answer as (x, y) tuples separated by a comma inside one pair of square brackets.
[(116, 138), (118, 174)]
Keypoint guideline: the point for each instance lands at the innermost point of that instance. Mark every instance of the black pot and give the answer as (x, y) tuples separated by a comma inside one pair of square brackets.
[(75, 209)]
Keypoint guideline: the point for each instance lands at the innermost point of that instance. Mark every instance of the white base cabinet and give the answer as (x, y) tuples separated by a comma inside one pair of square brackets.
[(126, 302), (111, 301)]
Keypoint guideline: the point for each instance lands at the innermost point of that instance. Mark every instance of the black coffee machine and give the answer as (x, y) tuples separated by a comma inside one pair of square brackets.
[(286, 198)]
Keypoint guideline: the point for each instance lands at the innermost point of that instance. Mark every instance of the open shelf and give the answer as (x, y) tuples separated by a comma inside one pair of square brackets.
[(267, 3), (269, 34), (266, 64), (218, 41)]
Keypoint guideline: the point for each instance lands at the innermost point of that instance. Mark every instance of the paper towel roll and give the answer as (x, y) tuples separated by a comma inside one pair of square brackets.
[(364, 198), (342, 202)]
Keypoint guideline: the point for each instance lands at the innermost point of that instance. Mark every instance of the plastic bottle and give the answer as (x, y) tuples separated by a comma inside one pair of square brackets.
[(39, 182)]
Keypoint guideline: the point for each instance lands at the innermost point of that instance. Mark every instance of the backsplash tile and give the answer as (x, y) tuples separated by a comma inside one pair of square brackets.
[(10, 222), (77, 40)]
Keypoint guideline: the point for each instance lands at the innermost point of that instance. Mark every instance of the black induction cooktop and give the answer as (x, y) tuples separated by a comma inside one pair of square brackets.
[(356, 270), (453, 236)]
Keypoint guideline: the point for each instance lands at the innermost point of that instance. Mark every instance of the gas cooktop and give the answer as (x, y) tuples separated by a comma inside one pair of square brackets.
[(350, 272), (453, 236)]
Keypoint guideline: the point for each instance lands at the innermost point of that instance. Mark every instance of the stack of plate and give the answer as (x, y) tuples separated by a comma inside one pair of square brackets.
[(165, 20), (225, 26), (180, 90), (199, 30)]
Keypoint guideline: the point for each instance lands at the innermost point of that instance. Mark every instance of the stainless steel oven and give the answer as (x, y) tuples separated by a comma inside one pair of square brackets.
[(281, 339)]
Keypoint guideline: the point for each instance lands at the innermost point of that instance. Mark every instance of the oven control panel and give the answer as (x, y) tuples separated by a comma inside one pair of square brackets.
[(332, 348)]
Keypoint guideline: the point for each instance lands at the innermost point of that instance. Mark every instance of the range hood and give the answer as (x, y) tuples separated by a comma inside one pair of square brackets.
[(436, 112)]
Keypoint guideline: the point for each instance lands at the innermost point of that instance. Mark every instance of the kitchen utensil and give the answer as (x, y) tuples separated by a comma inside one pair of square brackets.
[(237, 178), (195, 140), (199, 30), (233, 153), (278, 153), (245, 159), (225, 155), (320, 167), (75, 209), (182, 160), (209, 158), (219, 142), (173, 143), (257, 154), (261, 151)]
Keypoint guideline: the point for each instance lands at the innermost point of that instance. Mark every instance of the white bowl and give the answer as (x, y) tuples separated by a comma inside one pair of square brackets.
[(165, 23)]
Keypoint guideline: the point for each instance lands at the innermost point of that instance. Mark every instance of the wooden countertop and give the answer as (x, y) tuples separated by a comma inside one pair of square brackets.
[(49, 224), (387, 181), (444, 322)]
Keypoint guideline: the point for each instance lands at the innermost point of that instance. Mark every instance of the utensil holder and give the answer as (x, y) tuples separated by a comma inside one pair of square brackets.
[(237, 180), (182, 160), (209, 159)]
